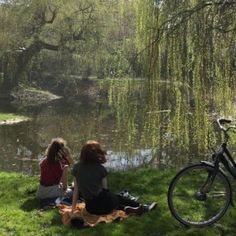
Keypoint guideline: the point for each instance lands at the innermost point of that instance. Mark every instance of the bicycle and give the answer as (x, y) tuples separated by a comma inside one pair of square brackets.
[(200, 194)]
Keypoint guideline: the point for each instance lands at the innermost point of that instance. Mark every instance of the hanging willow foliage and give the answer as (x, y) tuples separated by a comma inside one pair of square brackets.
[(187, 38), (188, 50)]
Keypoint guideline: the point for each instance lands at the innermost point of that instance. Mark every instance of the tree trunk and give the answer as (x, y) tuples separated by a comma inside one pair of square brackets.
[(15, 64)]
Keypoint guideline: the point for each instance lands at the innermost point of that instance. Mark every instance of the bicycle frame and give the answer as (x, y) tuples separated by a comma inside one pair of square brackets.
[(226, 159), (210, 179), (223, 156)]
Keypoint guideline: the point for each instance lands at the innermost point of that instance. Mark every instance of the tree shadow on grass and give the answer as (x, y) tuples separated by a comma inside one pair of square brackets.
[(30, 204)]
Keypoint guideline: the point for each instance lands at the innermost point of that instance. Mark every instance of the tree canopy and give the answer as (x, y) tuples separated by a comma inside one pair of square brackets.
[(191, 41), (83, 37)]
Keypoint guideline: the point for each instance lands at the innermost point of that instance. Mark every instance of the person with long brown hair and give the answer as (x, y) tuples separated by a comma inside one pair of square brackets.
[(54, 170), (90, 179)]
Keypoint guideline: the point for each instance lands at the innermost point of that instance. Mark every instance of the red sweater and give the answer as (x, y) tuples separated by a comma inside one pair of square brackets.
[(51, 173)]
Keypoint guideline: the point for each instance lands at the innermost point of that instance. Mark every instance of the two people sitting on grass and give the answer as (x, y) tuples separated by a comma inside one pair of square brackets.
[(90, 180)]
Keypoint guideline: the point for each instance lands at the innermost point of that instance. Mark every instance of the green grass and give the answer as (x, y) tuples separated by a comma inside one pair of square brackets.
[(10, 116), (19, 214)]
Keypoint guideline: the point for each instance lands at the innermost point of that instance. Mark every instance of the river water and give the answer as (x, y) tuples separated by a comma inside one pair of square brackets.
[(159, 124)]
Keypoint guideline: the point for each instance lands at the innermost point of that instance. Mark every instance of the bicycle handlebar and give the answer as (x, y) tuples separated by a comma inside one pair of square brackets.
[(221, 122)]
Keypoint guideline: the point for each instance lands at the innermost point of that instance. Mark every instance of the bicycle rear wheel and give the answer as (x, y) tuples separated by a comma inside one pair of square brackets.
[(196, 197)]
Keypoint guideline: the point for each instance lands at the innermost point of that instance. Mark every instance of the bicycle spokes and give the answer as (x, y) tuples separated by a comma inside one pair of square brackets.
[(197, 198)]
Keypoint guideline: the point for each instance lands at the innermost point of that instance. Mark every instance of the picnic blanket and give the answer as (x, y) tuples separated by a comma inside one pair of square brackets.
[(85, 218)]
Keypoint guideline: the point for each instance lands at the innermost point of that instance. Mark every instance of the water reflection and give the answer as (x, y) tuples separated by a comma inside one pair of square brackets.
[(122, 161), (161, 124)]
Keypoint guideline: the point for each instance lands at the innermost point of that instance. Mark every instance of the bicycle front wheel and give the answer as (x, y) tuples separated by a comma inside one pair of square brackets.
[(198, 196)]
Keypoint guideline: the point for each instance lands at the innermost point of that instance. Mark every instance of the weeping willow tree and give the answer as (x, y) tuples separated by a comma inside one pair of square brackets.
[(192, 44), (187, 49), (175, 35)]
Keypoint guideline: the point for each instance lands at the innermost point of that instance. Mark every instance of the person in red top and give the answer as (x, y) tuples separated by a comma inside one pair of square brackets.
[(54, 170)]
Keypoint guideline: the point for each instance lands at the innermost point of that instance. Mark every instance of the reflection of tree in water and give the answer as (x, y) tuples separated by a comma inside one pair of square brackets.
[(188, 45), (20, 148), (162, 119), (153, 122)]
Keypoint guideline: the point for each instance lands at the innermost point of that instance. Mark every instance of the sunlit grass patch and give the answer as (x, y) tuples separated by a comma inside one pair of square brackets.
[(9, 118), (6, 116), (19, 214)]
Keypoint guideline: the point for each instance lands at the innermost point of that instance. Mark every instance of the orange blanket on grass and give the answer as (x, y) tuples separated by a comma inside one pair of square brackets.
[(89, 219)]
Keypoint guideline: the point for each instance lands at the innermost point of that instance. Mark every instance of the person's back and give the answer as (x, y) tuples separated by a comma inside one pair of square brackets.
[(51, 173), (89, 178)]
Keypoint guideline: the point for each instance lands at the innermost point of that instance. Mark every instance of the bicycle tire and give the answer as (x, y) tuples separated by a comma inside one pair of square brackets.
[(194, 211)]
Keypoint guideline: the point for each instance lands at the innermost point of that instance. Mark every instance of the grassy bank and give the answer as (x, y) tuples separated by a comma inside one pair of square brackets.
[(19, 214), (6, 118)]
